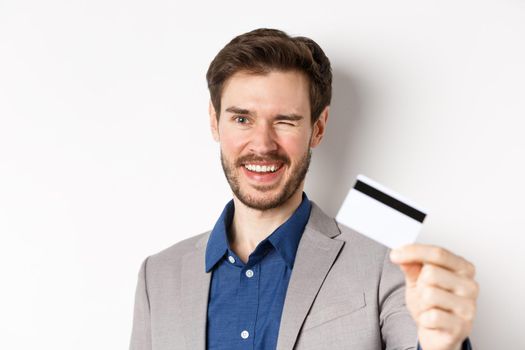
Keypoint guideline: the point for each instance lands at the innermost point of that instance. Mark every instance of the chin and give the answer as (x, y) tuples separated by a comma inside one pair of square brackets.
[(264, 200)]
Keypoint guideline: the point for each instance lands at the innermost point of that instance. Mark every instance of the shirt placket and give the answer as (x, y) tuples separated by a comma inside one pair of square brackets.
[(249, 280)]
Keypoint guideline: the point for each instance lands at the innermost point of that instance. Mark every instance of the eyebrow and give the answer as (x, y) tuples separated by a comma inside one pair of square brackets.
[(290, 117), (237, 110)]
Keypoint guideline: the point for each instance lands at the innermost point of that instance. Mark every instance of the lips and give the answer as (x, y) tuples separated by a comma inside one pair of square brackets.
[(263, 168), (263, 173)]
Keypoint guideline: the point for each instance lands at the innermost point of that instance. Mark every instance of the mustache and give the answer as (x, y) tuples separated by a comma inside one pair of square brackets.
[(269, 158)]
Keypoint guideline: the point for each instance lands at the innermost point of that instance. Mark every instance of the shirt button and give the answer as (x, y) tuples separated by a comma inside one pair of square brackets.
[(245, 334), (249, 273), (231, 259)]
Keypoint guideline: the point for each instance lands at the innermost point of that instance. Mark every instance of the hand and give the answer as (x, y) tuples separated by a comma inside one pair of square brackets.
[(441, 294)]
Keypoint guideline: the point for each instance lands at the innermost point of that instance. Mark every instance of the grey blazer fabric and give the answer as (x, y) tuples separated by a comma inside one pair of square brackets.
[(344, 293)]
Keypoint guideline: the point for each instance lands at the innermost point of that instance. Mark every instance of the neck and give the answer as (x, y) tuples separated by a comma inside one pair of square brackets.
[(250, 226)]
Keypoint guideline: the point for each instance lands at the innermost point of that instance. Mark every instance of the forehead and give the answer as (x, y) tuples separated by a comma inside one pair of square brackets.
[(276, 90)]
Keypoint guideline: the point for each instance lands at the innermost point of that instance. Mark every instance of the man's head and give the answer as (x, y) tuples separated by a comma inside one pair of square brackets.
[(269, 105), (263, 50)]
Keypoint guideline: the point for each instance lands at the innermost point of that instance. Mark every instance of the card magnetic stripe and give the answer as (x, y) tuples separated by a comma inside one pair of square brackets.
[(390, 201)]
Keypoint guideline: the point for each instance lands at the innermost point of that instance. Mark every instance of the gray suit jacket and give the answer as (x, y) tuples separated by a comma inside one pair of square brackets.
[(344, 293)]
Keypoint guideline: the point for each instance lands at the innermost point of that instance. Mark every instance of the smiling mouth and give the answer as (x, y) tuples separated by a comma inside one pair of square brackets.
[(258, 168)]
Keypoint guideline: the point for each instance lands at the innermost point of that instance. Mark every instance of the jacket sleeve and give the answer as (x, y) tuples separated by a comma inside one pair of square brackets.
[(141, 331), (398, 329)]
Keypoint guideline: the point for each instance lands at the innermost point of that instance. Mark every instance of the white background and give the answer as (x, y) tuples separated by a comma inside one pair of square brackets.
[(106, 156)]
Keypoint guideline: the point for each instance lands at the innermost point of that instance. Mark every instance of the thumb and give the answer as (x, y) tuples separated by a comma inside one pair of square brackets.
[(411, 272)]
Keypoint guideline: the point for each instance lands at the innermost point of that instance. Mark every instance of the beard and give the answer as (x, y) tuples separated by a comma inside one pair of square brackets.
[(270, 200)]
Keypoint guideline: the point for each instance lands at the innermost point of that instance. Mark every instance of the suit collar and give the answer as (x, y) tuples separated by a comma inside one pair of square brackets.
[(316, 254), (322, 223)]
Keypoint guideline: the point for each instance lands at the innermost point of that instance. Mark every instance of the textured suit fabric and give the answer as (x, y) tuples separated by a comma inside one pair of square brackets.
[(344, 293)]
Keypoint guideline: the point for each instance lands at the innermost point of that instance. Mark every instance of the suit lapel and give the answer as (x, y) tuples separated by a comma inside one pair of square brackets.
[(195, 286), (315, 256)]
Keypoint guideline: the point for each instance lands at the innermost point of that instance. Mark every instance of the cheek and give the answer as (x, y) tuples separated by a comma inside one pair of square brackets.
[(231, 144), (295, 147)]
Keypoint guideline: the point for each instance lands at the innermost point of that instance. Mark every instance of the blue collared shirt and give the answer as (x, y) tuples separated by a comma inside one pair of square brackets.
[(246, 300)]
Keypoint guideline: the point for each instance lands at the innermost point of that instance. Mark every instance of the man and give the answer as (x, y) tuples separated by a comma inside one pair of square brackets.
[(276, 272)]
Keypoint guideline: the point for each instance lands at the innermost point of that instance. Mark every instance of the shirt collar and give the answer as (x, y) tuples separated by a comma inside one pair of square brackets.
[(285, 239), (218, 242)]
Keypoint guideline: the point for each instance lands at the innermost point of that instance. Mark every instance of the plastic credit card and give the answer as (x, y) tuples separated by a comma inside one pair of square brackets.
[(381, 214)]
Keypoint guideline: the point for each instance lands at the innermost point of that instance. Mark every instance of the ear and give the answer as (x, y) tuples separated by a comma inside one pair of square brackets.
[(319, 128), (213, 122)]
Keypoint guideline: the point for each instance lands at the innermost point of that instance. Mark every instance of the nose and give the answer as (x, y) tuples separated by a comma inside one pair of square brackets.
[(263, 140)]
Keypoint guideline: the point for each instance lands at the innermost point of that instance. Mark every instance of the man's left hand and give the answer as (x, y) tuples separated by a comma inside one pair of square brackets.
[(441, 294)]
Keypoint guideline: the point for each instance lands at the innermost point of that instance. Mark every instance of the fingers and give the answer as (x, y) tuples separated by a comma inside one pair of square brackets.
[(440, 292), (438, 319), (438, 329), (432, 298), (411, 272), (427, 254), (436, 276)]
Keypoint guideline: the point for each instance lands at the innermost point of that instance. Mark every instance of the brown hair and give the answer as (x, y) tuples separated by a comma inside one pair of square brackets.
[(263, 50)]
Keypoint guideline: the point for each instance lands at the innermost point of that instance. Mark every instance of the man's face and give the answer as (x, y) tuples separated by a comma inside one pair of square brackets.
[(265, 134)]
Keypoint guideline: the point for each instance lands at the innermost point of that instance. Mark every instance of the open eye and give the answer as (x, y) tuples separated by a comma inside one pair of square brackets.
[(240, 119)]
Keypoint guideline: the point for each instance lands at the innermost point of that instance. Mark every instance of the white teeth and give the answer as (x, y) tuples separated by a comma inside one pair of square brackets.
[(261, 169)]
